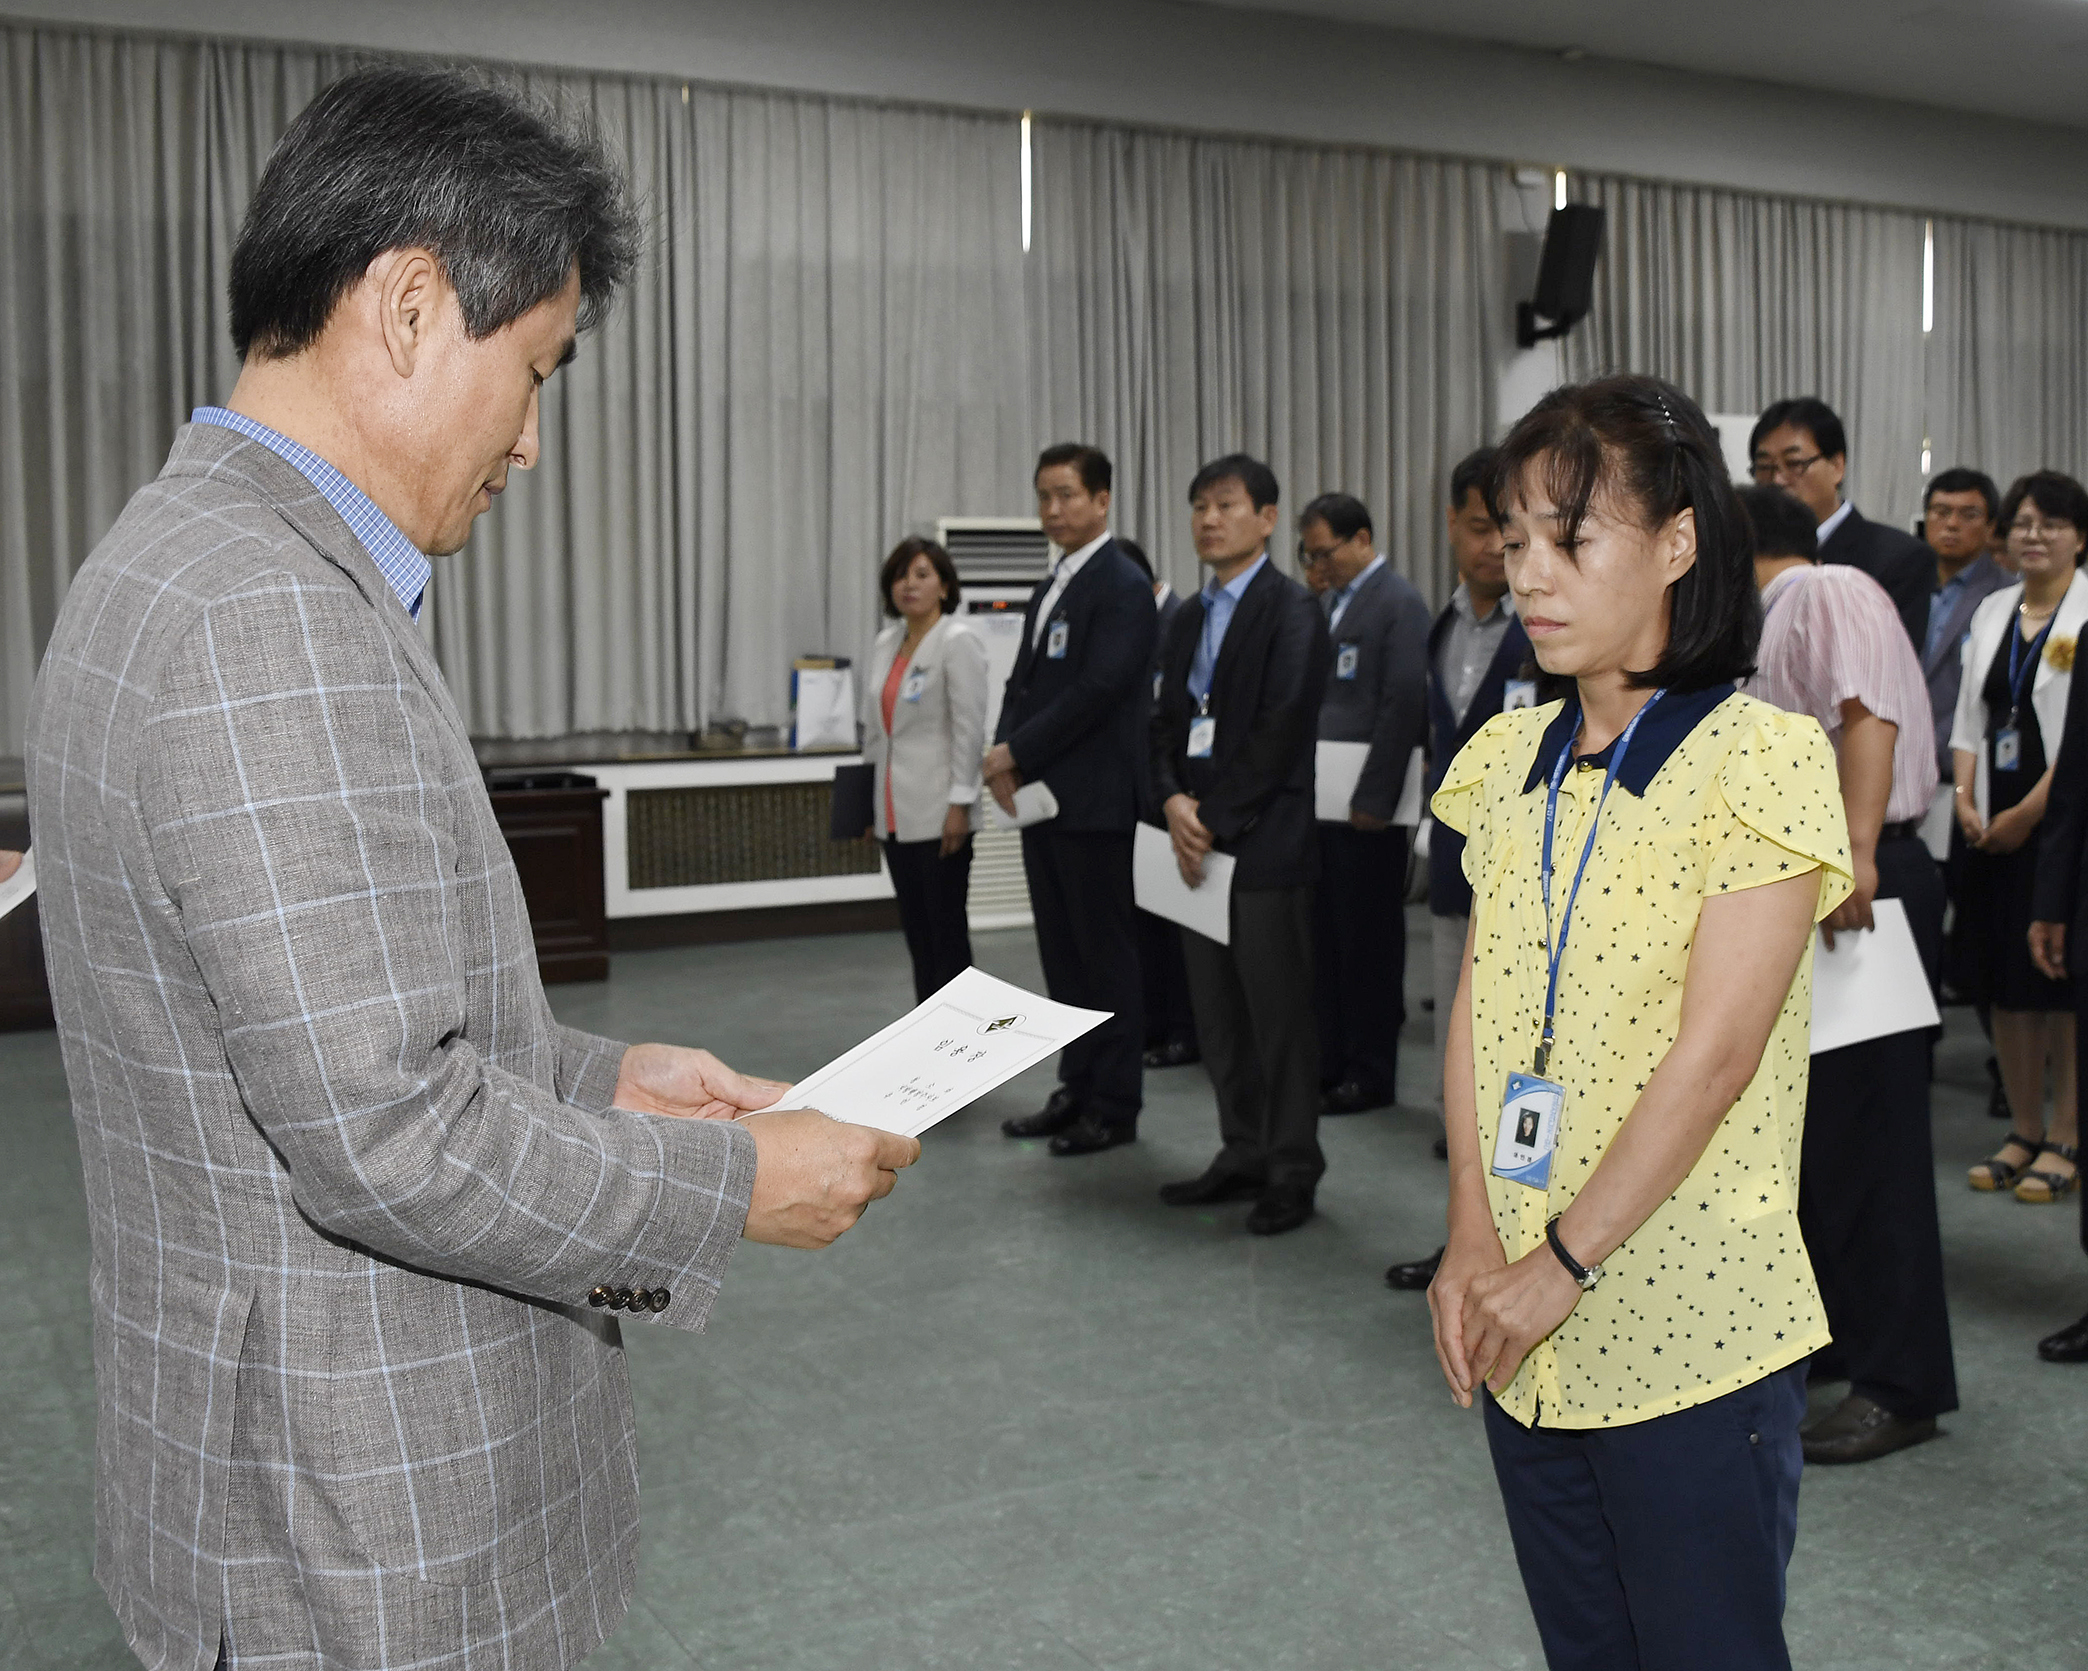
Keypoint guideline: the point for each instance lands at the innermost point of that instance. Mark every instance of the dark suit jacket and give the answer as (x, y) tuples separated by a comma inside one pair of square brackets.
[(1254, 793), (1449, 894), (2062, 838), (1076, 720), (1148, 802), (1896, 561), (1944, 669), (1384, 700)]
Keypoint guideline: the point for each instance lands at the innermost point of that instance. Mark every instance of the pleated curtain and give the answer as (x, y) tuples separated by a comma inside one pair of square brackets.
[(836, 337)]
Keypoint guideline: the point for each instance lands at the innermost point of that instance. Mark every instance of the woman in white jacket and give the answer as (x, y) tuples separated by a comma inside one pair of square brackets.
[(924, 726), (2018, 668)]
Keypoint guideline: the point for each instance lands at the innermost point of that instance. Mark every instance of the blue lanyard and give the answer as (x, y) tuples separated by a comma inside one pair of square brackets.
[(1556, 954), (2021, 659)]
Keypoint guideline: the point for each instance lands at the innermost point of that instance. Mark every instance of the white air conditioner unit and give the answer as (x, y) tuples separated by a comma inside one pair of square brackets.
[(999, 560)]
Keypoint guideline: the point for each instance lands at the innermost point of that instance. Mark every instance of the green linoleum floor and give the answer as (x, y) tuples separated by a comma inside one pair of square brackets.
[(1026, 1417)]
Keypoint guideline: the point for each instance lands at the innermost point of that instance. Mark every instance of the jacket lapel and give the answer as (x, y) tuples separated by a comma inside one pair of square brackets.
[(212, 450)]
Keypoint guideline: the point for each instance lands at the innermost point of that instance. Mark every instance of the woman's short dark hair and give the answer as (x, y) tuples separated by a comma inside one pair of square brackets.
[(1644, 447), (1345, 515), (901, 560), (508, 198), (1781, 525), (2056, 495)]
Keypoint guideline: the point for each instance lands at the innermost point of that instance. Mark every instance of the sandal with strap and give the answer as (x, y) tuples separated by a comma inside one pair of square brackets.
[(2000, 1174), (2040, 1187)]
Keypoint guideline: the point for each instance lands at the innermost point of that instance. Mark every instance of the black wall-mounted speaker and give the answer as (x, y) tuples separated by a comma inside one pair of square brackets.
[(1565, 275)]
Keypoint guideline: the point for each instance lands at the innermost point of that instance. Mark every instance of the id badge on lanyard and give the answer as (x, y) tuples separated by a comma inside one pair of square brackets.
[(1203, 732), (1533, 1106), (2008, 740)]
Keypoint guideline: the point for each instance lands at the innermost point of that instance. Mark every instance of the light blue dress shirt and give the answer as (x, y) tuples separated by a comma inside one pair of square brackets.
[(398, 559), (1341, 598), (1219, 603)]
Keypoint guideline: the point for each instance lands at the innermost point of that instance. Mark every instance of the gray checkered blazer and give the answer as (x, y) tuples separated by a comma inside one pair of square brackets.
[(350, 1184)]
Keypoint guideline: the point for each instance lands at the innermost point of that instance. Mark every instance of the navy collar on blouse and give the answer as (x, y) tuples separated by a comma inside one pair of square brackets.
[(1658, 736)]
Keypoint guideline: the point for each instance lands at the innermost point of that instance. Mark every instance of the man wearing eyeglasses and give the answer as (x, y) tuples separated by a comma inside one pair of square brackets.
[(1376, 694), (1799, 445), (1957, 522)]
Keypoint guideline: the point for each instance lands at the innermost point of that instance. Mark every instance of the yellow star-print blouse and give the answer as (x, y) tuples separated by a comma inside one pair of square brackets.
[(1715, 1290)]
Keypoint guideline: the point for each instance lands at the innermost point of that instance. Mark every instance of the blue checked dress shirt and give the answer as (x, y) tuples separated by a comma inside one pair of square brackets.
[(398, 559), (1219, 603)]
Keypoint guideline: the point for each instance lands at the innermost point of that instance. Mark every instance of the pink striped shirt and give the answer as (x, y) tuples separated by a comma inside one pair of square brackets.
[(1832, 633)]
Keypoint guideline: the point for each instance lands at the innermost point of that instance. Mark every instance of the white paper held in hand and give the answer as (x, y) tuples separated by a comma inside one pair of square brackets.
[(19, 886), (1034, 804), (1336, 770), (1157, 886), (977, 1033), (1872, 984)]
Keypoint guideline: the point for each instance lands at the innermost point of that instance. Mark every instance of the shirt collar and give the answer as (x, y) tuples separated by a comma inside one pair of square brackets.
[(1160, 597), (1236, 587), (405, 568), (1349, 590), (1659, 734), (1842, 513), (1069, 565), (1503, 609), (1782, 584)]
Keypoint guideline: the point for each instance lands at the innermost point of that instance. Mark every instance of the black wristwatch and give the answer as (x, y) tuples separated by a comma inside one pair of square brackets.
[(1586, 1275)]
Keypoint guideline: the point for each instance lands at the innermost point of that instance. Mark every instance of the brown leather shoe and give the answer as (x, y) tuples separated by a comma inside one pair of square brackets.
[(1860, 1429)]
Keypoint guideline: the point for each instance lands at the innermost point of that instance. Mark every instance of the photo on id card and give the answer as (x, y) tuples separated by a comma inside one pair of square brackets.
[(1530, 1110)]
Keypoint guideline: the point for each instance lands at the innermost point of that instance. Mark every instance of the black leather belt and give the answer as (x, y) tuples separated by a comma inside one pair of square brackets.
[(1907, 829)]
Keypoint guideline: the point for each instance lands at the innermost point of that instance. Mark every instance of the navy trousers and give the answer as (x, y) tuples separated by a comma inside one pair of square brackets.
[(1660, 1546)]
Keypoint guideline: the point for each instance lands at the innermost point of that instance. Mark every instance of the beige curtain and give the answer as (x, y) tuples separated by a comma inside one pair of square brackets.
[(1335, 312), (1741, 300)]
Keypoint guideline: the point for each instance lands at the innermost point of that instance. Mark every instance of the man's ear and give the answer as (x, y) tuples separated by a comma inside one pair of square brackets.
[(1840, 461), (409, 286)]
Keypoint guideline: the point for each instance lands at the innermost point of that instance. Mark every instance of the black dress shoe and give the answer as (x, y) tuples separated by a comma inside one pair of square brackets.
[(1176, 1053), (1090, 1136), (1282, 1207), (1054, 1117), (1415, 1274), (1217, 1183), (1860, 1429), (2069, 1345), (1441, 1146), (1352, 1096)]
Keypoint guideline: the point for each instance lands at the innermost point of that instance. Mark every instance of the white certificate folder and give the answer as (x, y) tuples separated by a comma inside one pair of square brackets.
[(1336, 770), (977, 1033), (1157, 886), (1872, 984), (19, 886)]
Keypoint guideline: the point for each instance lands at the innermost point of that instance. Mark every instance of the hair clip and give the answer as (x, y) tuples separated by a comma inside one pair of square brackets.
[(1666, 416)]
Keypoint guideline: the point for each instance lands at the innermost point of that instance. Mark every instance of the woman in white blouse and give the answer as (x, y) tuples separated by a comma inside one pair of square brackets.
[(924, 727), (2018, 668)]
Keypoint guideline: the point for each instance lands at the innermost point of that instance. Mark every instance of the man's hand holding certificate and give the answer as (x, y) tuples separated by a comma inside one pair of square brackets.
[(977, 1033)]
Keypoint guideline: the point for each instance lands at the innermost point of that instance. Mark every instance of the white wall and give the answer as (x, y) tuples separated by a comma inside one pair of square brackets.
[(1188, 66)]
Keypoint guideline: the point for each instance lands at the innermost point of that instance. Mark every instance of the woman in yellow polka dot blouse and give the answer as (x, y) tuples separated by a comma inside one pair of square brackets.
[(1624, 1284)]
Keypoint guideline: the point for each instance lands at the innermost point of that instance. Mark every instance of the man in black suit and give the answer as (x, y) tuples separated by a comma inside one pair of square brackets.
[(1232, 741), (1073, 717), (1799, 446), (1377, 694), (1170, 1024), (1476, 655)]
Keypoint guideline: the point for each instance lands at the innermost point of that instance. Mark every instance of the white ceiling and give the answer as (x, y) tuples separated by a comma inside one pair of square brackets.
[(2026, 59)]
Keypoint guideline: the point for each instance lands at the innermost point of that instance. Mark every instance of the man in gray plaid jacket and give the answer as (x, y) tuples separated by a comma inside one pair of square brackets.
[(363, 1213)]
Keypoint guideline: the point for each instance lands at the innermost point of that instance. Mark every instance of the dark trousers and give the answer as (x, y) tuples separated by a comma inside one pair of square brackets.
[(932, 892), (1359, 942), (1087, 940), (1660, 1546), (1867, 1189), (1253, 1003), (1168, 1016)]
